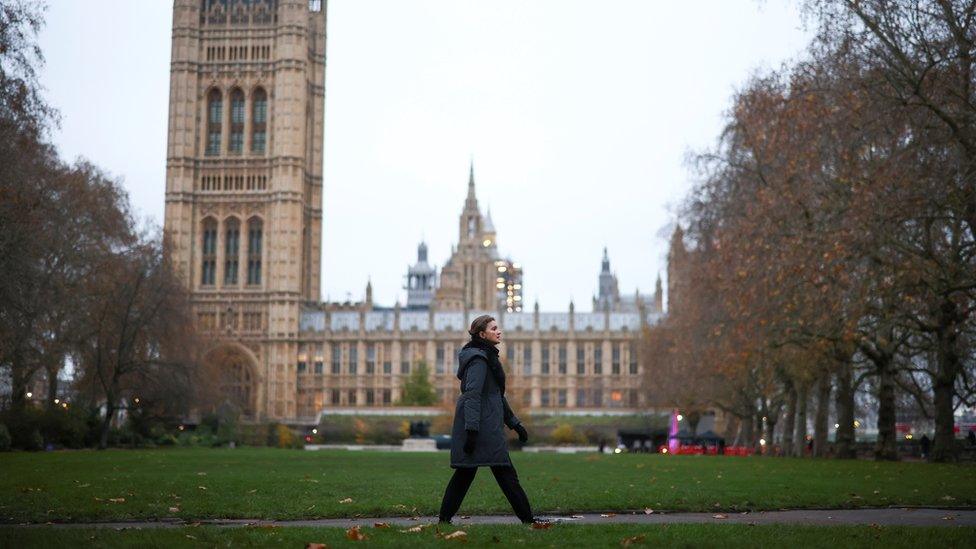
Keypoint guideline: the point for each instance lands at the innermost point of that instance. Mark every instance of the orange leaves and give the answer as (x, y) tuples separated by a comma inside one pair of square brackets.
[(353, 534)]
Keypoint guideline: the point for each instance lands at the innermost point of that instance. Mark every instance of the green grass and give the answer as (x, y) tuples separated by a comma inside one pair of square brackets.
[(78, 486), (611, 535)]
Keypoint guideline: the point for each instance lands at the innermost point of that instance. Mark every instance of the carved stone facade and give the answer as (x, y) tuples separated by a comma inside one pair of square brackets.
[(555, 361), (243, 223), (475, 276), (244, 184)]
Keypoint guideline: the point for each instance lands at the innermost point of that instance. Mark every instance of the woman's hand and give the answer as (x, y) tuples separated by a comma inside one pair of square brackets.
[(522, 433), (470, 441)]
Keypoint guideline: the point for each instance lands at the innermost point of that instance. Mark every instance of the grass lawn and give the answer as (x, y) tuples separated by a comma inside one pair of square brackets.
[(611, 535), (287, 484)]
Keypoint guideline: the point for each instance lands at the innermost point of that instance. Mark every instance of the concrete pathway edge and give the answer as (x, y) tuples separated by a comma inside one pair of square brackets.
[(902, 516)]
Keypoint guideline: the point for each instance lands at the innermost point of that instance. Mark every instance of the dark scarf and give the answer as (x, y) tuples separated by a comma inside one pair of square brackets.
[(494, 364)]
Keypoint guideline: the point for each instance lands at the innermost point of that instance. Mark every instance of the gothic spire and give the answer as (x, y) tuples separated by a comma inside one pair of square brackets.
[(471, 196), (489, 225)]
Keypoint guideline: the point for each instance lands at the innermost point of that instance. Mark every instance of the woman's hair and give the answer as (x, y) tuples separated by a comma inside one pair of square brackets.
[(480, 324)]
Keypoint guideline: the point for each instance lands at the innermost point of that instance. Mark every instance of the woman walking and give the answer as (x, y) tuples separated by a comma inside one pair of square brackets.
[(477, 439)]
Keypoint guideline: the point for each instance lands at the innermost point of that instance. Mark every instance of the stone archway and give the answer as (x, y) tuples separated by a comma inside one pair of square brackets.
[(236, 380)]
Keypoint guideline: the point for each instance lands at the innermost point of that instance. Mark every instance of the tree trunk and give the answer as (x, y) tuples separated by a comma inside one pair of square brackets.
[(800, 433), (19, 378), (746, 431), (52, 384), (845, 413), (820, 422), (789, 422), (770, 431), (732, 430), (944, 443), (106, 425), (886, 447)]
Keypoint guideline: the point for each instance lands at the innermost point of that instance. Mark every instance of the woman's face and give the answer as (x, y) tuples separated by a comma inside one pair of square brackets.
[(492, 333)]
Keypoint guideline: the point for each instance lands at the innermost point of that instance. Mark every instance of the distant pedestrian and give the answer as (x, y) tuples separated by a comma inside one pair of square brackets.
[(477, 439), (971, 438), (603, 445), (925, 443)]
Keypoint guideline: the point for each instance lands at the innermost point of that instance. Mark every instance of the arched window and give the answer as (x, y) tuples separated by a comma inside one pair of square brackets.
[(208, 262), (259, 121), (236, 121), (254, 235), (215, 105), (232, 245)]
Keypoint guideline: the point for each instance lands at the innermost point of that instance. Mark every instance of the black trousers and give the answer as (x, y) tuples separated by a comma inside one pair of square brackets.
[(507, 480)]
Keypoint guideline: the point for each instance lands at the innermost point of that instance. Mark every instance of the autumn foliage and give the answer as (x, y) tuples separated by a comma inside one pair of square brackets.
[(830, 242)]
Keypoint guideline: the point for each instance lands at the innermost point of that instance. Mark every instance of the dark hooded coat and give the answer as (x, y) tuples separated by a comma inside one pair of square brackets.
[(481, 407)]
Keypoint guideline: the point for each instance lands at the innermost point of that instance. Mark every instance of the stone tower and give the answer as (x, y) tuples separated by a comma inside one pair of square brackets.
[(421, 281), (244, 185), (469, 278)]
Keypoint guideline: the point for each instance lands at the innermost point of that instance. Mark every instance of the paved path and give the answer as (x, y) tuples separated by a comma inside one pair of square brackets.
[(884, 517)]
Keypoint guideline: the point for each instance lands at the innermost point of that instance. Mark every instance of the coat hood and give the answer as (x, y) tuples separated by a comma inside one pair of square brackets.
[(464, 359)]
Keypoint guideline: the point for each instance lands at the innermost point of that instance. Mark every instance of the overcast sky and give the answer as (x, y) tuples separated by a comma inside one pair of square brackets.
[(579, 116)]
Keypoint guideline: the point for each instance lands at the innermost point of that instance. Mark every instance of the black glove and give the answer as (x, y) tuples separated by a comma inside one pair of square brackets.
[(523, 435), (470, 441)]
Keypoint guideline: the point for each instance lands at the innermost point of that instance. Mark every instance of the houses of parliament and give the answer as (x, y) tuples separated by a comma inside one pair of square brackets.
[(243, 221)]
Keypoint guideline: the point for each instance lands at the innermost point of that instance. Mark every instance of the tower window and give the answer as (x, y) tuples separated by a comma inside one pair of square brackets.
[(236, 121), (259, 121), (232, 245), (209, 252), (214, 110), (254, 235)]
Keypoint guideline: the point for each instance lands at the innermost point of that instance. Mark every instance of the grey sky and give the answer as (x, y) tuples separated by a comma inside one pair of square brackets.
[(578, 114)]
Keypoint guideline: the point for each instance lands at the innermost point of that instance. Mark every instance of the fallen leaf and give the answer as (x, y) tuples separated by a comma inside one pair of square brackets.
[(311, 545), (608, 515), (174, 509), (948, 517), (252, 491), (542, 525), (413, 530), (380, 525), (648, 511), (347, 500), (83, 486), (353, 534), (577, 516), (460, 535), (188, 536), (202, 474), (464, 517), (117, 500), (720, 516), (202, 487), (627, 542), (948, 498)]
